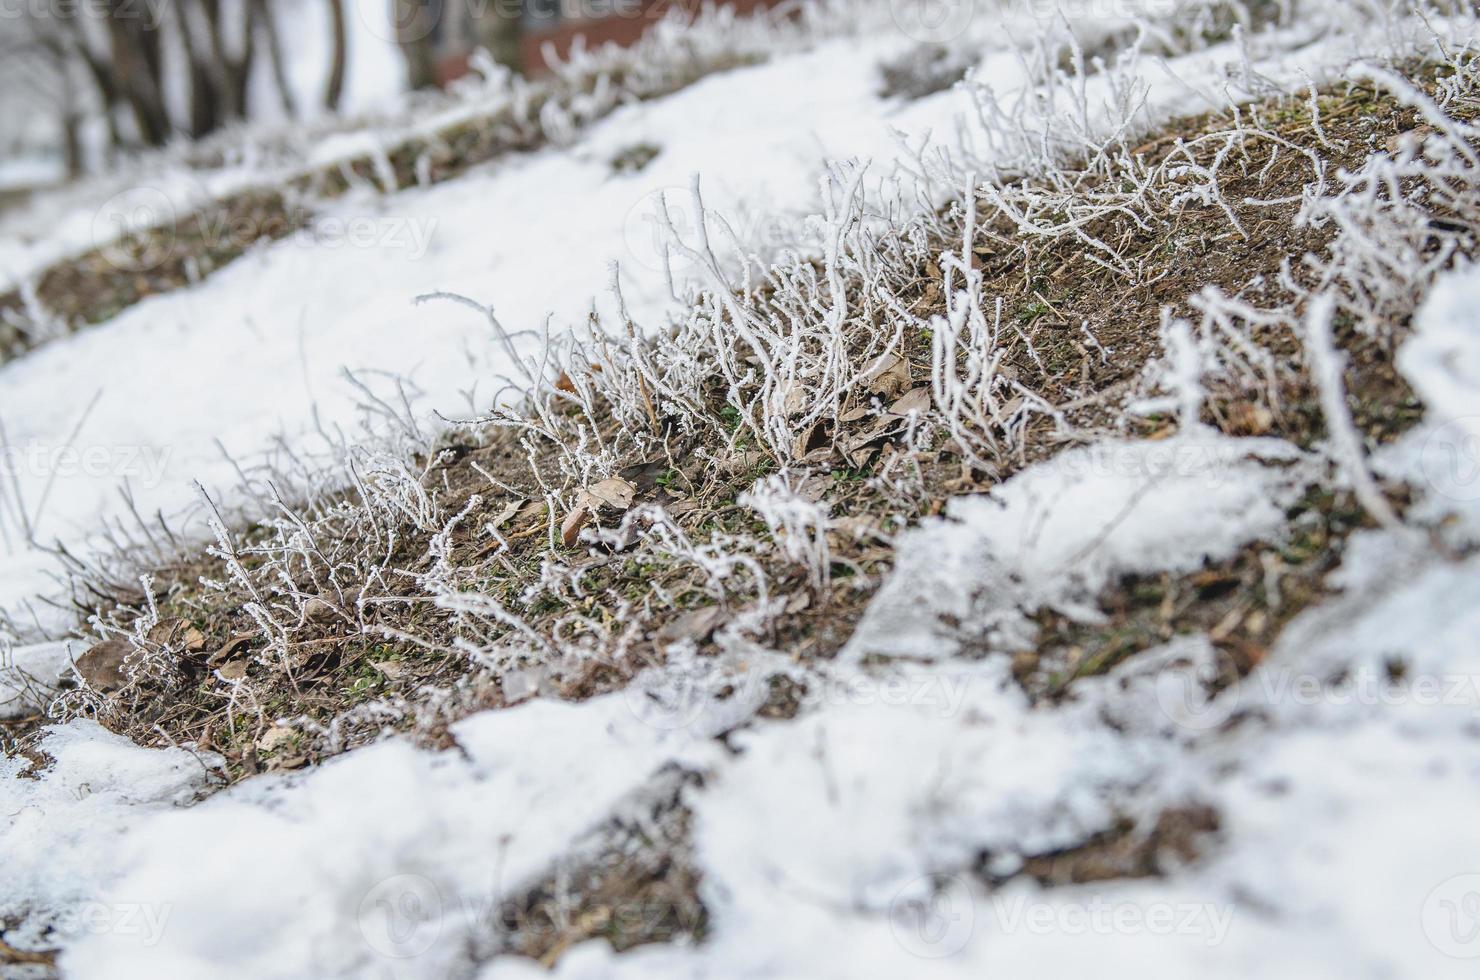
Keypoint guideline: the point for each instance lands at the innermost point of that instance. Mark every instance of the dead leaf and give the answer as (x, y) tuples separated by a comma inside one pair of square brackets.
[(615, 493), (276, 735), (697, 625), (793, 397), (857, 447), (504, 516), (737, 463), (810, 441), (914, 401), (102, 665), (814, 487), (230, 649), (165, 630), (11, 956), (392, 669), (234, 671), (1250, 420), (574, 521), (1414, 137), (320, 611), (929, 298), (889, 377)]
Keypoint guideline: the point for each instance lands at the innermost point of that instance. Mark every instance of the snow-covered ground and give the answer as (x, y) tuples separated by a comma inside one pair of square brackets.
[(830, 845)]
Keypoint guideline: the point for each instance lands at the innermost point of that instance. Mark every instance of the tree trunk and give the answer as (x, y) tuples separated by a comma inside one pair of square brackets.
[(262, 13), (414, 25), (205, 94), (500, 30), (136, 65), (334, 93)]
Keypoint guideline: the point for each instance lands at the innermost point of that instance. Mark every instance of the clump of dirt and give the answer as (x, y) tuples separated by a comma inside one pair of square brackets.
[(639, 886), (1178, 836)]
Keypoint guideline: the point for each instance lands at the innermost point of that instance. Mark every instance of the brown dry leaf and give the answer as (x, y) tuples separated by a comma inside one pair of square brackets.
[(276, 735), (102, 665), (737, 463), (12, 956), (819, 455), (889, 377), (392, 669), (195, 640), (855, 528), (574, 521), (165, 631), (793, 397), (1416, 136), (1250, 420), (230, 649), (811, 441), (234, 671), (565, 384), (917, 400), (615, 493), (697, 625), (929, 298), (504, 516), (800, 600), (320, 611), (814, 487)]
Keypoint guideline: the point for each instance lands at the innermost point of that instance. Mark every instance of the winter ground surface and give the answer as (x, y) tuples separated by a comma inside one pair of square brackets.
[(885, 829)]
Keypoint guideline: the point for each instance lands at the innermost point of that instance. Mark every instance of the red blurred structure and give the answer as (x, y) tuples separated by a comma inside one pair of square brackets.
[(455, 36), (623, 28)]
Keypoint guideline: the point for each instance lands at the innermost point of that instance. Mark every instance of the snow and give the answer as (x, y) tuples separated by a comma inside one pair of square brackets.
[(837, 844), (324, 848), (1059, 532)]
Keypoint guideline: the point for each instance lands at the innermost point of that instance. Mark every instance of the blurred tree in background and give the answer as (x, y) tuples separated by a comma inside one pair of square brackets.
[(438, 36), (151, 72)]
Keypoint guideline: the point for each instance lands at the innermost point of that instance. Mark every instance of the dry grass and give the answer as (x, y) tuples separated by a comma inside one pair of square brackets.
[(656, 493)]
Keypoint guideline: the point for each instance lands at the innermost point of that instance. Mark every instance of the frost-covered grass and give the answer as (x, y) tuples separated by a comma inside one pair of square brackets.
[(960, 555), (182, 214)]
